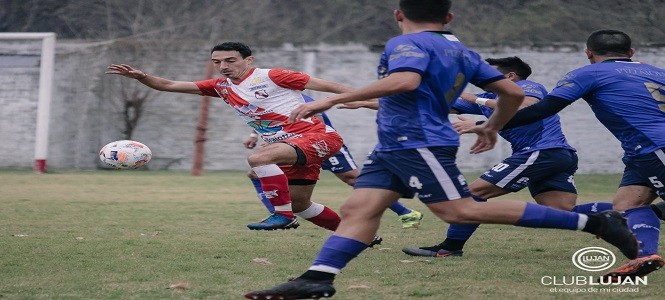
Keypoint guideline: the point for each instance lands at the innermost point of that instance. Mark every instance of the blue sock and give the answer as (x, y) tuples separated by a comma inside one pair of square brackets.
[(463, 231), (338, 251), (539, 216), (646, 226), (399, 209), (591, 208), (259, 193)]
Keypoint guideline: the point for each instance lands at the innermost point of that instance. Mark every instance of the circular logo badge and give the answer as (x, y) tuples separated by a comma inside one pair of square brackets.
[(593, 259)]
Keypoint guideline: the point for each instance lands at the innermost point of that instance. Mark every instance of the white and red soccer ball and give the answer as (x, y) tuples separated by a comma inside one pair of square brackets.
[(125, 154)]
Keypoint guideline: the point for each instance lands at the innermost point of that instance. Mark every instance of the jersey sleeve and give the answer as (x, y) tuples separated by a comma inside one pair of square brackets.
[(289, 79), (574, 85), (402, 54), (466, 107), (533, 89), (207, 87)]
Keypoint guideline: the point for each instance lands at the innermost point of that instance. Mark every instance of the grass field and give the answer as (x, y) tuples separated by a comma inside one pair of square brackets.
[(131, 235)]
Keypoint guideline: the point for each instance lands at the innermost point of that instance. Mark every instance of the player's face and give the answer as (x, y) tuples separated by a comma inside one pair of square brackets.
[(231, 64)]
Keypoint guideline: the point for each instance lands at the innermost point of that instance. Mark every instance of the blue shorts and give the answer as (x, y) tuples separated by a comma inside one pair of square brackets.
[(431, 173), (542, 171), (341, 162), (646, 170)]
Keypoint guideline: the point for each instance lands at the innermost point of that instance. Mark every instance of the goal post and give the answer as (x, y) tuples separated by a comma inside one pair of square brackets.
[(46, 72)]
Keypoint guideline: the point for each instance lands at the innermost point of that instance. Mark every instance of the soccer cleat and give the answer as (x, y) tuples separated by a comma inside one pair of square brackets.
[(274, 222), (411, 220), (613, 230), (298, 288), (433, 251), (635, 268), (376, 241)]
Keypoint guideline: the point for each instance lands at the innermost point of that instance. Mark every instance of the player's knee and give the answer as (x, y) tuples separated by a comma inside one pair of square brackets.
[(259, 159), (349, 180), (457, 211)]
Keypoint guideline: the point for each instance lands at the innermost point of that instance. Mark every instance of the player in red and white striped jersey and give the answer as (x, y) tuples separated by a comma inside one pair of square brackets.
[(289, 166)]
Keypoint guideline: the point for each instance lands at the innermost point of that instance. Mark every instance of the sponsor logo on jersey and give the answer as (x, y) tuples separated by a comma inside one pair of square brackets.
[(287, 136), (256, 80), (405, 51), (254, 88), (266, 127)]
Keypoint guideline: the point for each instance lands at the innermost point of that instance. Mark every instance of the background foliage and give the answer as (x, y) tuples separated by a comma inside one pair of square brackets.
[(273, 22)]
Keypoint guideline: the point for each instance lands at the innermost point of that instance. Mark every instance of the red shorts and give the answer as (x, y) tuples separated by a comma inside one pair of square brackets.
[(317, 148)]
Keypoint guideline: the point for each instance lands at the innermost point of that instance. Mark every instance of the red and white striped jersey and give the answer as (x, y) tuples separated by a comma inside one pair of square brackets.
[(264, 99)]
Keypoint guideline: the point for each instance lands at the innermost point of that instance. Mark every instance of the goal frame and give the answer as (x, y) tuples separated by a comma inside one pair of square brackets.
[(46, 71)]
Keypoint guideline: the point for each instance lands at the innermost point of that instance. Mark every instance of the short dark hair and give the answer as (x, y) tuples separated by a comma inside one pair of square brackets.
[(425, 11), (244, 50), (511, 64), (606, 41)]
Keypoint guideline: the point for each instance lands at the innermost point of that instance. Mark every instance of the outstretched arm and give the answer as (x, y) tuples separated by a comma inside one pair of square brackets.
[(549, 106), (323, 85), (371, 104), (394, 83), (511, 97), (157, 83)]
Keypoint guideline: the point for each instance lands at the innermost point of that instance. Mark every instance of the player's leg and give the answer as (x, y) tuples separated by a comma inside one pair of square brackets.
[(539, 169), (361, 215), (641, 183), (259, 192), (303, 207), (264, 163), (458, 234), (344, 167), (440, 162)]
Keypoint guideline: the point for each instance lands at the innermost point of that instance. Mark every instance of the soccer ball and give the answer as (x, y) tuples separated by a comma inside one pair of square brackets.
[(125, 154)]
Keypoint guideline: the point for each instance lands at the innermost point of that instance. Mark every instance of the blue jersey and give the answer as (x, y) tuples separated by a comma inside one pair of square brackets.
[(325, 118), (627, 97), (419, 118), (543, 134)]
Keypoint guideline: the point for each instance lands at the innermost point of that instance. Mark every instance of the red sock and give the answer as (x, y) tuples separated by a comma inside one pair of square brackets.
[(275, 187), (321, 215)]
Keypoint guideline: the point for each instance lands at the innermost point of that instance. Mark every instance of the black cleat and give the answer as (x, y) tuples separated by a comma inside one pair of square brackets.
[(433, 251), (376, 241), (298, 288), (613, 229)]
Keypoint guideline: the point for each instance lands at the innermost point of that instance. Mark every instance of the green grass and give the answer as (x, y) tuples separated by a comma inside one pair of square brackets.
[(130, 235)]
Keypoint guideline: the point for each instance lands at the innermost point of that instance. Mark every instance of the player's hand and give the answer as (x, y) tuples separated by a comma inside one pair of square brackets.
[(463, 124), (309, 109), (469, 97), (126, 70), (250, 142), (486, 138)]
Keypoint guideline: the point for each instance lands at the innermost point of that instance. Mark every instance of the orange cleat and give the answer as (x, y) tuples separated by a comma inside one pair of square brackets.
[(635, 268)]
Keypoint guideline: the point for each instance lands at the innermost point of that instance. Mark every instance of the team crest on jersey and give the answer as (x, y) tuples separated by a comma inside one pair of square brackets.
[(321, 148), (261, 94), (266, 127)]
